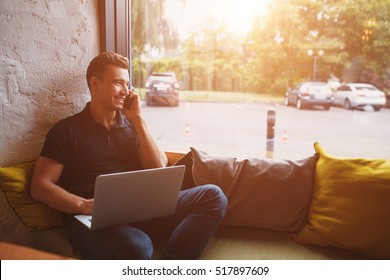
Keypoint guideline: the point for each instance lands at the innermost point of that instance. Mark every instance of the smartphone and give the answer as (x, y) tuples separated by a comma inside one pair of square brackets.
[(127, 102)]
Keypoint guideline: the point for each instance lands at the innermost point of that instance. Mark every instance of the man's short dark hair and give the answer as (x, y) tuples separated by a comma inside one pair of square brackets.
[(97, 66)]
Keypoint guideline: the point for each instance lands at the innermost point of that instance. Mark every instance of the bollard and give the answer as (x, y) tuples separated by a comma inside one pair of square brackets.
[(271, 119)]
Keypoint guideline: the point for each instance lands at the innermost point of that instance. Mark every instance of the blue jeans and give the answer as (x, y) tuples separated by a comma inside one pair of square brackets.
[(198, 214)]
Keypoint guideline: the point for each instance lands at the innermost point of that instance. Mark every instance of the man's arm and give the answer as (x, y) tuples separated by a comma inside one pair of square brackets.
[(44, 188), (149, 154)]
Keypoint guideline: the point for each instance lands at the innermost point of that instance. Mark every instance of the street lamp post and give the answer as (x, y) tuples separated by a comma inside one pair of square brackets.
[(315, 55)]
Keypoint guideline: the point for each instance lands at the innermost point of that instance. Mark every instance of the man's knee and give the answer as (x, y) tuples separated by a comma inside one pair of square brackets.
[(217, 199), (134, 246)]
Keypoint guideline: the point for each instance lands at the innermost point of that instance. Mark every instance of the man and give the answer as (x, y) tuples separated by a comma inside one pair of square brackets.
[(106, 137)]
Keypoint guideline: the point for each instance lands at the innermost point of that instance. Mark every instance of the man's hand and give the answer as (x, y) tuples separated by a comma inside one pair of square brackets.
[(134, 111), (86, 206)]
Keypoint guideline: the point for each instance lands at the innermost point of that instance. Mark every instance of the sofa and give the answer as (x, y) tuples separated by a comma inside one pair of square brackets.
[(318, 207)]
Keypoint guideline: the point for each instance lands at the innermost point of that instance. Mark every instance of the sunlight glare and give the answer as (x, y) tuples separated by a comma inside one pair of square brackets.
[(237, 14)]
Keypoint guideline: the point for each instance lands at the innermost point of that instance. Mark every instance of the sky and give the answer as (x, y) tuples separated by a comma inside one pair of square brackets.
[(237, 14)]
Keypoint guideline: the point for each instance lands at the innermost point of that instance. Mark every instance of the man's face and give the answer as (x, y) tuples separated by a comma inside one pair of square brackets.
[(112, 88)]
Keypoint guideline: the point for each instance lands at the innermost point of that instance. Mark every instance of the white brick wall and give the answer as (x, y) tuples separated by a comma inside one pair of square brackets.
[(45, 48)]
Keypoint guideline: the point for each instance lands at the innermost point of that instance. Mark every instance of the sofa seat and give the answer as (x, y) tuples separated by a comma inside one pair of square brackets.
[(231, 243), (234, 240), (228, 243)]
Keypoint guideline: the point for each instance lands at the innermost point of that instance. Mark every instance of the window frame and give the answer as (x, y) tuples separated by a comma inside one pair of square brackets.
[(115, 27)]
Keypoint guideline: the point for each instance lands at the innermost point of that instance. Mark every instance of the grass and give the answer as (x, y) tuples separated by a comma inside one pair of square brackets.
[(220, 96)]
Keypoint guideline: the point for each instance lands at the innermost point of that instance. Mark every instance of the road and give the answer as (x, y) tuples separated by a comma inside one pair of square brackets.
[(239, 129)]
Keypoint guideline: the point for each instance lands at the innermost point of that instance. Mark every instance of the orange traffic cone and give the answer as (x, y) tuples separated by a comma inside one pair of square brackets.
[(187, 130), (284, 136)]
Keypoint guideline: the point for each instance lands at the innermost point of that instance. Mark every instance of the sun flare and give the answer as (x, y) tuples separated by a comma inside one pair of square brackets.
[(237, 14)]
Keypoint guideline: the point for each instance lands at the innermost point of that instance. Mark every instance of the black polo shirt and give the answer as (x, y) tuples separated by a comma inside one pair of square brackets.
[(87, 149)]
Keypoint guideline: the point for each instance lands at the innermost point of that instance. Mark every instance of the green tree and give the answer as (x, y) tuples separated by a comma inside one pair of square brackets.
[(214, 46), (354, 36), (150, 26), (150, 29), (275, 46)]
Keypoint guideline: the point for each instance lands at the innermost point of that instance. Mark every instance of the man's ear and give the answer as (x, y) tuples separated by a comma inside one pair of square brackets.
[(93, 82)]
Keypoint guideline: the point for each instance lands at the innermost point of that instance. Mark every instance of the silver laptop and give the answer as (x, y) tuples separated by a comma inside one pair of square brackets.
[(134, 196)]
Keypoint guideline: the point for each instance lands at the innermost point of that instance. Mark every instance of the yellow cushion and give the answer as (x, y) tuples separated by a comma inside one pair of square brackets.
[(15, 182), (350, 208)]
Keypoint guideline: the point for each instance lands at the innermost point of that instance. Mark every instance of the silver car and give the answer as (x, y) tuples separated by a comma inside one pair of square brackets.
[(308, 94), (354, 95)]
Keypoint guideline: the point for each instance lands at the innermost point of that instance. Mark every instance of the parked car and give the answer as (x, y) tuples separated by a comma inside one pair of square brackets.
[(388, 100), (309, 94), (354, 95), (162, 89)]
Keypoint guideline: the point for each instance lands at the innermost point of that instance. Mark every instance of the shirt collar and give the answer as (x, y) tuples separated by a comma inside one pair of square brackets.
[(121, 119), (88, 120)]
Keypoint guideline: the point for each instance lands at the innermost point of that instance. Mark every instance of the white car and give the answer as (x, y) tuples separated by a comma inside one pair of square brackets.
[(353, 95)]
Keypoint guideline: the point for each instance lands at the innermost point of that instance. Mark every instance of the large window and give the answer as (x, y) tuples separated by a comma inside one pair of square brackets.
[(235, 60)]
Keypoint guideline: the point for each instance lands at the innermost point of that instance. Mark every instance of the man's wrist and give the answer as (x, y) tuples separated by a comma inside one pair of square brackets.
[(137, 121), (84, 206)]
